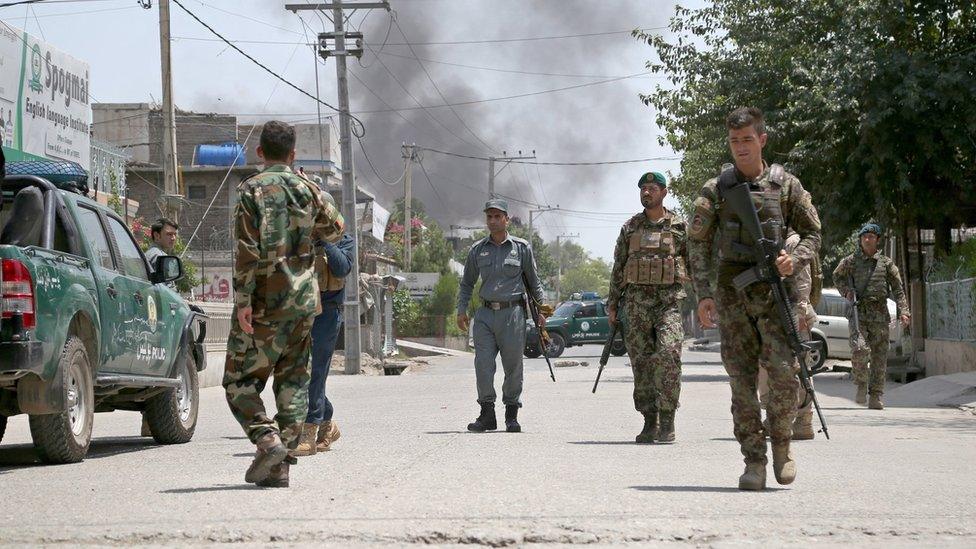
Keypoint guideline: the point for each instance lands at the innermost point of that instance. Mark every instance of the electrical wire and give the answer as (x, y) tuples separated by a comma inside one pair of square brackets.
[(362, 146), (595, 163), (511, 71), (431, 183)]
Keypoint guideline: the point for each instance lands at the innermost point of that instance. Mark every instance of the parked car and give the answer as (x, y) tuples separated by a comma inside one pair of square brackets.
[(833, 330), (574, 323), (86, 324)]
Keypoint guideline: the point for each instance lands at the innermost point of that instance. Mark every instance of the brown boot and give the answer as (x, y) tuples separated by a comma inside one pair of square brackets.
[(278, 478), (270, 452), (803, 427), (862, 393), (783, 465), (875, 402), (306, 441), (754, 477), (328, 433)]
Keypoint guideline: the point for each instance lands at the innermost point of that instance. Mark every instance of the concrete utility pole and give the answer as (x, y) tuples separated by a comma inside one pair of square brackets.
[(171, 198), (353, 339), (506, 160), (409, 153), (539, 211), (559, 263)]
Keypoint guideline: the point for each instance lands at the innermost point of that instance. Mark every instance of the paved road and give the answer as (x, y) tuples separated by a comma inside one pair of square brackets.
[(406, 472)]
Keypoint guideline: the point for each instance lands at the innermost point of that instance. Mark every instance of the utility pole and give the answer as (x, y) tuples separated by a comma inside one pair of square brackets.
[(353, 340), (171, 196), (506, 160), (559, 262), (409, 153), (539, 211)]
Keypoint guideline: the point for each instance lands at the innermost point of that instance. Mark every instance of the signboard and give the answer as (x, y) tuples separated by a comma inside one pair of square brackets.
[(420, 285), (372, 218), (45, 109)]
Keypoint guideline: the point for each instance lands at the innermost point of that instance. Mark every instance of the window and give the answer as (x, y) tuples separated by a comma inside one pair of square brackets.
[(566, 309), (587, 311), (832, 306), (132, 262), (196, 192), (94, 235)]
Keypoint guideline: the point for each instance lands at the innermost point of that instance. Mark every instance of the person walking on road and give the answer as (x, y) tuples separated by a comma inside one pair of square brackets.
[(332, 266), (648, 273), (279, 218), (874, 276), (748, 319), (506, 266)]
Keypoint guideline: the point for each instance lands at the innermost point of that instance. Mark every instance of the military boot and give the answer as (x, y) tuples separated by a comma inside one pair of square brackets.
[(511, 419), (306, 441), (650, 428), (783, 465), (278, 478), (754, 477), (328, 433), (862, 393), (486, 421), (270, 452), (875, 402), (803, 427), (665, 433)]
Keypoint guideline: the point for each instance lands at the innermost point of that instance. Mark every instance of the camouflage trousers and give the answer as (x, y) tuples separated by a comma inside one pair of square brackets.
[(653, 337), (752, 336), (875, 335), (282, 349), (804, 414)]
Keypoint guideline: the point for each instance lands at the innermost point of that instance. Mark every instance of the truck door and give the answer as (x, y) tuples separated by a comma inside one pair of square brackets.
[(588, 322), (116, 356), (142, 299)]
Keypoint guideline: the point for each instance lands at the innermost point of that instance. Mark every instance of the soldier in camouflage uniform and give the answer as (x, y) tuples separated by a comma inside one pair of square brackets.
[(874, 277), (280, 217), (748, 320), (648, 272)]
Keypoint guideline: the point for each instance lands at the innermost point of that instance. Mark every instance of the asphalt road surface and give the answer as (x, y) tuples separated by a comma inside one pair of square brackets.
[(406, 472)]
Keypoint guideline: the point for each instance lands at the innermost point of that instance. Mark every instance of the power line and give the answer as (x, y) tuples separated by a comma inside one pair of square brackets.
[(595, 163), (439, 93), (431, 183), (511, 71)]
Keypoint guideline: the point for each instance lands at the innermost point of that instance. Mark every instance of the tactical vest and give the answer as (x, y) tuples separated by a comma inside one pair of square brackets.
[(735, 245), (875, 288), (328, 282), (652, 259)]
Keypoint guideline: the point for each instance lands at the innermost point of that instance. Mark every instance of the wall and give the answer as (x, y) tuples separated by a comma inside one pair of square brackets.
[(943, 357), (123, 125)]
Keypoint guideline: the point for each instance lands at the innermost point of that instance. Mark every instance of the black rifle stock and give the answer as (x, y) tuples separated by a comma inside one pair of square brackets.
[(739, 199), (605, 357)]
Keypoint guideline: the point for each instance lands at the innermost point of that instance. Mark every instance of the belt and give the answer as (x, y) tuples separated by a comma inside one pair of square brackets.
[(499, 305)]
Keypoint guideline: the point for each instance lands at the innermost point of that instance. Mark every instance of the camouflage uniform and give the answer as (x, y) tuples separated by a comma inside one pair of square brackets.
[(648, 272), (280, 216), (748, 321), (874, 277), (802, 279)]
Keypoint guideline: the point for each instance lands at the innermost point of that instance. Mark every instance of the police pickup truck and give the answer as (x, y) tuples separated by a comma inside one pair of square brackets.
[(574, 323), (86, 323)]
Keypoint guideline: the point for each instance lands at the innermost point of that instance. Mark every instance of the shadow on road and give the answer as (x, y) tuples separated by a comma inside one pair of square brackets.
[(717, 489), (23, 455), (686, 378), (217, 488), (608, 442)]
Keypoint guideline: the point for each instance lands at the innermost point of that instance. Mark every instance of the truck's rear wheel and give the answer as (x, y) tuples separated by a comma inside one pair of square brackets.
[(172, 414), (618, 348), (556, 345), (64, 437)]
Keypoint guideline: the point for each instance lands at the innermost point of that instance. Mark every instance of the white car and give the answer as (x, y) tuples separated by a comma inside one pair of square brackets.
[(832, 327)]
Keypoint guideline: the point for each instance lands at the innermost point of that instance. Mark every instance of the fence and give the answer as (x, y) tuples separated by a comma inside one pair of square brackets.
[(951, 310)]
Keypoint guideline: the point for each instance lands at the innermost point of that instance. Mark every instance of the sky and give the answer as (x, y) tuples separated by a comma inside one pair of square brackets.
[(594, 123)]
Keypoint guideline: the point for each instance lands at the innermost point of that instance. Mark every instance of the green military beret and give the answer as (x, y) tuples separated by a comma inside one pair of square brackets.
[(869, 228), (496, 204), (653, 177)]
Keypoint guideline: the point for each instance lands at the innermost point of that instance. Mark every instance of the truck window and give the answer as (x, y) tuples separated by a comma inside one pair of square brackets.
[(94, 234), (588, 311), (132, 262)]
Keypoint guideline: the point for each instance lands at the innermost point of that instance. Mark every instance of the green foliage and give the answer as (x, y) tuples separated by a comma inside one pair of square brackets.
[(593, 275), (868, 102), (406, 313), (960, 264), (831, 257), (430, 251), (444, 299), (114, 200)]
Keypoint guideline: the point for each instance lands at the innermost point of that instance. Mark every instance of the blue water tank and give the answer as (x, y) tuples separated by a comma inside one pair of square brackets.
[(224, 154)]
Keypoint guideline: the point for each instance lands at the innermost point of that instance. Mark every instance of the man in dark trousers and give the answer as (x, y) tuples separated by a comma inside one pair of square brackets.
[(331, 266)]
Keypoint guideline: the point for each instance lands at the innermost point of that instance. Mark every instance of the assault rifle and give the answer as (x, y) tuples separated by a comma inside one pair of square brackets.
[(739, 199), (541, 330), (605, 357)]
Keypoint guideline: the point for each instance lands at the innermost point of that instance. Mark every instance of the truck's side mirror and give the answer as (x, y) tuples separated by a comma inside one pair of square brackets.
[(168, 268)]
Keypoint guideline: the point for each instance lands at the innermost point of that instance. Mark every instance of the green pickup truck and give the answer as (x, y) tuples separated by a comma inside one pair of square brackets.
[(574, 323), (86, 324)]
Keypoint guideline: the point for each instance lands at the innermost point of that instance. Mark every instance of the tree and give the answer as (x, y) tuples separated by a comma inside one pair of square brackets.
[(430, 252), (592, 275), (868, 102)]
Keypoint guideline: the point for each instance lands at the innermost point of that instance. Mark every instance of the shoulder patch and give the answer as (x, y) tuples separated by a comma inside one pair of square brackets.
[(777, 174)]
